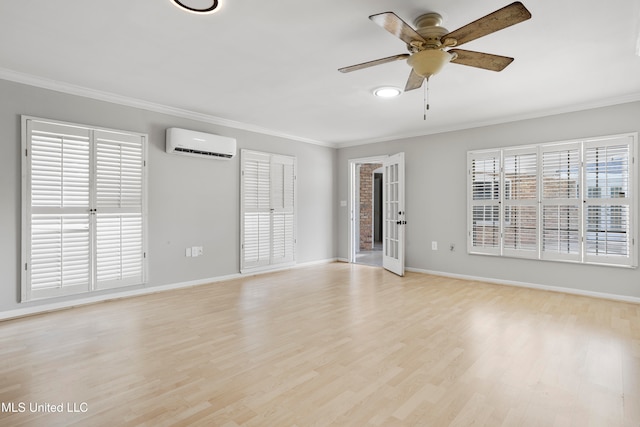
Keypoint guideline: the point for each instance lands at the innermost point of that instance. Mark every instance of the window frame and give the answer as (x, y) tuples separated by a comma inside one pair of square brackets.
[(579, 205)]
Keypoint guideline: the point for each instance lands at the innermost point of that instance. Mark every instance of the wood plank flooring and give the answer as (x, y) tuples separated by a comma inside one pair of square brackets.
[(329, 345)]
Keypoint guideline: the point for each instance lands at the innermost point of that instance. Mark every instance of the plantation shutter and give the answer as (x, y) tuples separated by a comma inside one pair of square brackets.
[(607, 200), (268, 210), (484, 202), (84, 207), (567, 201), (282, 204), (57, 210), (520, 218), (256, 242), (561, 233), (119, 204)]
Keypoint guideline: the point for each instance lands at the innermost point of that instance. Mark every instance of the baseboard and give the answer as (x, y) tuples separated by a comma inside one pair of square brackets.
[(62, 305), (319, 262), (572, 291)]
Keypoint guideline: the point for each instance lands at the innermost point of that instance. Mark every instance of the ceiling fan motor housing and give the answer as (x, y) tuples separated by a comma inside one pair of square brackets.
[(429, 27)]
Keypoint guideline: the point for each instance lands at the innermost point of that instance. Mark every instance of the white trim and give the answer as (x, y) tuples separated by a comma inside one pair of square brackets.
[(572, 291), (354, 189), (45, 308), (71, 89)]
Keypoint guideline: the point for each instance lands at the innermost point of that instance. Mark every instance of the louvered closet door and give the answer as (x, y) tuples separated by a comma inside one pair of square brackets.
[(267, 211), (118, 209), (58, 200)]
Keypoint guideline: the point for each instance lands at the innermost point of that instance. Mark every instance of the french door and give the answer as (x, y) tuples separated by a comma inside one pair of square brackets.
[(393, 220)]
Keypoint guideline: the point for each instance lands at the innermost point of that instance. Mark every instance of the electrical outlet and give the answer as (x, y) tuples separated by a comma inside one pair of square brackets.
[(434, 246), (196, 250)]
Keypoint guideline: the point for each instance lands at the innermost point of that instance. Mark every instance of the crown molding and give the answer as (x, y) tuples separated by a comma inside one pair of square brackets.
[(58, 86), (31, 80), (608, 102)]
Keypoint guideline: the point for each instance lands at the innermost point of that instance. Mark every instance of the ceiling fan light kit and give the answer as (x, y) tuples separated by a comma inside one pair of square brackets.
[(197, 6), (428, 43), (429, 62)]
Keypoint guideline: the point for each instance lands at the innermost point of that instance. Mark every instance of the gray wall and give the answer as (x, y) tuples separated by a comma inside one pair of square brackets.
[(436, 199), (196, 201), (192, 202)]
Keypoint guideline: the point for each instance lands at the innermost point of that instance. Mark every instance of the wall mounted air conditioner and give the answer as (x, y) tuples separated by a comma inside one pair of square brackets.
[(199, 144)]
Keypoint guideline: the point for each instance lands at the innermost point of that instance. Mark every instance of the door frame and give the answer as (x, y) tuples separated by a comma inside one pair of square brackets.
[(354, 193)]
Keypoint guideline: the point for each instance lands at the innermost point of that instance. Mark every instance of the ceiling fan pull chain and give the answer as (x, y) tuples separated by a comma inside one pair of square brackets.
[(426, 98)]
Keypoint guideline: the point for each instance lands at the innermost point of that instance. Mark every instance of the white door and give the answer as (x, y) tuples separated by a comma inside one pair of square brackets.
[(393, 220)]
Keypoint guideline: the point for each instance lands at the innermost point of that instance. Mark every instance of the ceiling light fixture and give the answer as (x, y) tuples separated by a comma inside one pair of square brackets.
[(430, 61), (387, 92), (197, 6)]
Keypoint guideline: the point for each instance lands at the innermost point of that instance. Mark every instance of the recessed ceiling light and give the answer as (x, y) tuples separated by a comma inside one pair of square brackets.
[(198, 6), (387, 92)]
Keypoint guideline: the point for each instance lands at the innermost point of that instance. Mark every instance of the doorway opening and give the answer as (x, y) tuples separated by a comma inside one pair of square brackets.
[(366, 201)]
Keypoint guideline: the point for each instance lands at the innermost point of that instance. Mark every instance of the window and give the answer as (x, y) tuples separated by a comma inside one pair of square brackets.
[(561, 200), (567, 201), (84, 209), (267, 210), (485, 202), (520, 221)]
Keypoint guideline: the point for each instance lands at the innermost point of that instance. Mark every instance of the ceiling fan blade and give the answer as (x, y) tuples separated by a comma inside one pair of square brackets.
[(481, 60), (396, 26), (498, 20), (372, 63), (414, 82)]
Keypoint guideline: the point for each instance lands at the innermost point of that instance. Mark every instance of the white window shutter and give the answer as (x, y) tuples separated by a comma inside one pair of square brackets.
[(256, 213), (57, 210), (119, 209), (561, 216), (565, 201), (520, 217), (268, 210), (282, 204), (484, 202), (607, 200), (84, 209)]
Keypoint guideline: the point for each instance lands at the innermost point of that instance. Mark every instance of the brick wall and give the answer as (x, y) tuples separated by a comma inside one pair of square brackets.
[(366, 205)]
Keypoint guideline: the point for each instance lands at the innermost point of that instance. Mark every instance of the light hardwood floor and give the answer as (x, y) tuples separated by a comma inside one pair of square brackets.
[(335, 344)]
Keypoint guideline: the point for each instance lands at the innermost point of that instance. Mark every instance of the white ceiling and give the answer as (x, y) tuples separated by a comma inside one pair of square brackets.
[(272, 65)]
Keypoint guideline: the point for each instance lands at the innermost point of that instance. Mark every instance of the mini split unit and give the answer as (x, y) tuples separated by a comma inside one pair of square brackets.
[(199, 144)]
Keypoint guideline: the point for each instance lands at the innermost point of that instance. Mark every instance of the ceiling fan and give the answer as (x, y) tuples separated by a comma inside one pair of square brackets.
[(427, 43)]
